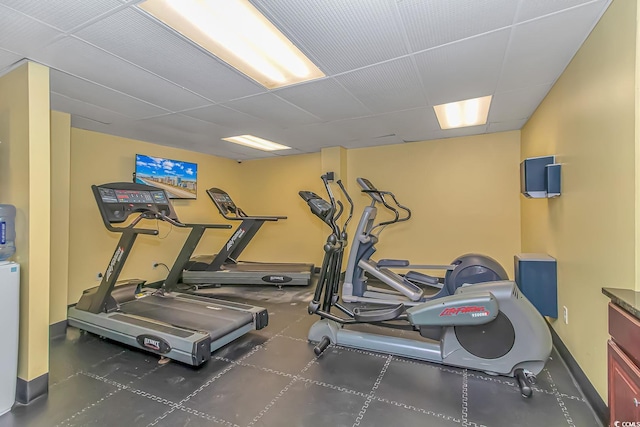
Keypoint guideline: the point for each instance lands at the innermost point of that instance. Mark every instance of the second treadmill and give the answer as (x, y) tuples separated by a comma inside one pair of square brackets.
[(224, 267)]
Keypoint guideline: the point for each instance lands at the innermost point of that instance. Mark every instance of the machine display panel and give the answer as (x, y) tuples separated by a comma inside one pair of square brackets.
[(108, 195), (128, 196)]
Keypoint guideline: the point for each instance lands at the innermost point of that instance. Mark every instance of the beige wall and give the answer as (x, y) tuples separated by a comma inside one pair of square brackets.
[(463, 194), (270, 187), (24, 182), (588, 121), (60, 180)]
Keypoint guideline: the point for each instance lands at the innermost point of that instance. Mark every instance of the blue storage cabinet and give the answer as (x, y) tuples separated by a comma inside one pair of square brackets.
[(537, 278)]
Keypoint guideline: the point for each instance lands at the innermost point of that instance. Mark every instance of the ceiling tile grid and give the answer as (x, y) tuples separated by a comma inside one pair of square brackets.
[(388, 62), (77, 88), (431, 23), (63, 14), (325, 98), (516, 104), (390, 86), (89, 111), (540, 50), (273, 109), (339, 35), (463, 70), (136, 37), (226, 117), (22, 35), (7, 59), (506, 126), (78, 58), (535, 9)]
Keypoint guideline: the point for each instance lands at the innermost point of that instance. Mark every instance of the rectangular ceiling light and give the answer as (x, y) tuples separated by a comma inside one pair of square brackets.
[(471, 112), (255, 142), (236, 32)]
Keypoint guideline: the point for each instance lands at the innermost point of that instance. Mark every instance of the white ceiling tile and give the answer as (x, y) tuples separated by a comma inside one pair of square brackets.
[(8, 58), (430, 23), (517, 104), (339, 35), (271, 108), (391, 86), (78, 58), (372, 142), (77, 88), (412, 125), (187, 125), (226, 117), (83, 109), (463, 70), (407, 126), (325, 99), (315, 136), (506, 126), (63, 14), (140, 39), (540, 50), (22, 35), (534, 9)]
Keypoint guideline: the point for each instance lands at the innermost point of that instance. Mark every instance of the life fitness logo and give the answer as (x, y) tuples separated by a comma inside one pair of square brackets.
[(473, 310), (235, 237), (626, 423)]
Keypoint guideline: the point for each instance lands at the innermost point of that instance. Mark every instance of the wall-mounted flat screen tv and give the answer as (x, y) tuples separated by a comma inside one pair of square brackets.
[(177, 178)]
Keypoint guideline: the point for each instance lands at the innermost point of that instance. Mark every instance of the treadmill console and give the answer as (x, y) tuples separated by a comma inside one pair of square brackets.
[(223, 201), (369, 188), (319, 207), (118, 200)]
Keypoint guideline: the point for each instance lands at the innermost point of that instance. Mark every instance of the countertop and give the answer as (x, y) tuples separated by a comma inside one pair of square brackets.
[(625, 298)]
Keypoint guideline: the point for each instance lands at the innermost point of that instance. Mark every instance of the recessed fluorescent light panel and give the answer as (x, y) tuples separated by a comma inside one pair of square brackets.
[(255, 142), (471, 112), (236, 32)]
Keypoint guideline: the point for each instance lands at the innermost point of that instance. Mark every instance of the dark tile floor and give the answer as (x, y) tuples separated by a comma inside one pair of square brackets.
[(272, 378)]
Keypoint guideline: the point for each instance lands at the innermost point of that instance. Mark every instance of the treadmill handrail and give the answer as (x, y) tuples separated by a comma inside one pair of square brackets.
[(132, 225), (257, 218)]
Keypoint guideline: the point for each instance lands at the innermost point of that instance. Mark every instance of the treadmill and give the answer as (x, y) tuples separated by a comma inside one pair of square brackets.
[(224, 267), (178, 326)]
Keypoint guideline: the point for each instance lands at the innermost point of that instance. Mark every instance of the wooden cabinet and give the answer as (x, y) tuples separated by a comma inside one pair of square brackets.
[(623, 371)]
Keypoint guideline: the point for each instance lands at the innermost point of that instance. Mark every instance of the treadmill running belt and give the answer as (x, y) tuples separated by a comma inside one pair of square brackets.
[(216, 320)]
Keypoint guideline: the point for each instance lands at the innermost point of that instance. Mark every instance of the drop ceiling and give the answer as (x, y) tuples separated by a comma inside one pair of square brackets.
[(118, 71)]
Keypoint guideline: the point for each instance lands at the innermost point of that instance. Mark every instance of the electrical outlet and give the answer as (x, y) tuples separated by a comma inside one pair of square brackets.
[(565, 314), (98, 276)]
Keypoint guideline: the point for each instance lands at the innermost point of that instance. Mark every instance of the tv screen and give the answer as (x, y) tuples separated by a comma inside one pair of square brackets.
[(178, 179)]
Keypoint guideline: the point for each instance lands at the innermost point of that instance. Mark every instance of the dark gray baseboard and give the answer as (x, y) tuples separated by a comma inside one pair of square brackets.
[(57, 329), (590, 393), (27, 391)]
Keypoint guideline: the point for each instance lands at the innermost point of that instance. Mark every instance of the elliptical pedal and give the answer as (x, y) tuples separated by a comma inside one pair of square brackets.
[(524, 382)]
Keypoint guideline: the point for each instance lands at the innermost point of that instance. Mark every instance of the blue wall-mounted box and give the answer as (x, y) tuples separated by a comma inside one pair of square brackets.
[(540, 177), (537, 278)]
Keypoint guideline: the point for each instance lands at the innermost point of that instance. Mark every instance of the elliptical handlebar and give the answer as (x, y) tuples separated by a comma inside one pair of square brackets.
[(337, 206), (378, 196)]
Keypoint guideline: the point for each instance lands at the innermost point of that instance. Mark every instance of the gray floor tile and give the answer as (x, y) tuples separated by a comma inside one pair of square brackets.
[(347, 368), (176, 381), (239, 395), (422, 385), (121, 409), (283, 354), (382, 414), (63, 402), (306, 405)]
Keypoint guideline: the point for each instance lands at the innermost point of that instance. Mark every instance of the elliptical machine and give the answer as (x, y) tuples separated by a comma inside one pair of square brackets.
[(488, 327), (410, 288)]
